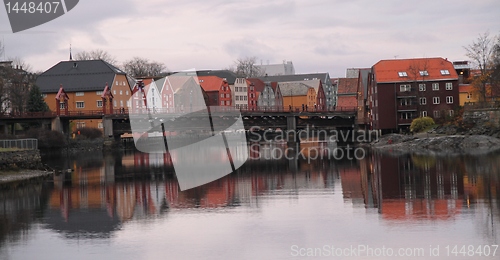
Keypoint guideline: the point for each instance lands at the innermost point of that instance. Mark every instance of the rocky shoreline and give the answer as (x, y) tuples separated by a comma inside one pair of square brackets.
[(21, 176), (432, 144)]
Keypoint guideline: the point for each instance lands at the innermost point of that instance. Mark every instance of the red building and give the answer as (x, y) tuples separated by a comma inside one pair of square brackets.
[(254, 90), (217, 89), (404, 89)]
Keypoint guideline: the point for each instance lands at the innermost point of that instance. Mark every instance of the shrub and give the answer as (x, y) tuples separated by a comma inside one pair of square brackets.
[(421, 123), (47, 138), (89, 132)]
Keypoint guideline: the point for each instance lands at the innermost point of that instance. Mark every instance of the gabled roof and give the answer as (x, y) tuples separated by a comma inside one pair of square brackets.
[(324, 77), (258, 84), (388, 71), (89, 75), (159, 83), (347, 86), (312, 84), (289, 89), (177, 81), (211, 83)]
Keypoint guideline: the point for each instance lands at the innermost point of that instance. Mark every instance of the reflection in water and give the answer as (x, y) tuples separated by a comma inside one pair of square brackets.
[(105, 192)]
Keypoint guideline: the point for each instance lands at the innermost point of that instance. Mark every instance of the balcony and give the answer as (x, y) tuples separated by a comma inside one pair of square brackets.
[(407, 107), (404, 121)]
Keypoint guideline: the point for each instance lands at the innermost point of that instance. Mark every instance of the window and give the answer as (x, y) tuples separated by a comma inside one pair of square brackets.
[(404, 88), (121, 92), (451, 112), (116, 83), (121, 103), (99, 93), (402, 74), (424, 73), (79, 94), (62, 105), (449, 100), (376, 102), (222, 103), (423, 113), (114, 103), (114, 92), (421, 87), (126, 92), (469, 95), (435, 86), (80, 104), (201, 81), (449, 86), (423, 101), (445, 72), (44, 95), (406, 116), (435, 100), (437, 114), (99, 125), (80, 125), (99, 103)]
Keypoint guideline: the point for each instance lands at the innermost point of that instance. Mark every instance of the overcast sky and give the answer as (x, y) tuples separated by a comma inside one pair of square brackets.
[(317, 35)]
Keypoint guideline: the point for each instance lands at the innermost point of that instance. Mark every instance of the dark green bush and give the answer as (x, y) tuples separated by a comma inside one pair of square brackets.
[(47, 138), (421, 123), (89, 133)]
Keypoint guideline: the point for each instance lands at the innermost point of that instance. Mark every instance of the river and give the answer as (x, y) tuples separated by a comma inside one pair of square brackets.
[(128, 205)]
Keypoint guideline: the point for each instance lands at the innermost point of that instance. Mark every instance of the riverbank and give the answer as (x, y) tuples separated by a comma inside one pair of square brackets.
[(9, 178), (437, 144)]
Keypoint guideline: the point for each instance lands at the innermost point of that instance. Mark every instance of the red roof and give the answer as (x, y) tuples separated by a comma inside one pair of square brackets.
[(258, 84), (211, 83), (347, 85), (347, 101), (404, 70)]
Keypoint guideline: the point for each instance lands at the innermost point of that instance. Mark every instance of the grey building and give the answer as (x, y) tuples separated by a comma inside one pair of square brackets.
[(329, 88)]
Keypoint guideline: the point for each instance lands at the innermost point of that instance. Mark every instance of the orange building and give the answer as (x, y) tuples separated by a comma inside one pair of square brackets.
[(298, 95), (85, 82)]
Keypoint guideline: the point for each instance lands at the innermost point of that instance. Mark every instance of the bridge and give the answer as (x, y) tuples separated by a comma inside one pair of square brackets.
[(117, 122)]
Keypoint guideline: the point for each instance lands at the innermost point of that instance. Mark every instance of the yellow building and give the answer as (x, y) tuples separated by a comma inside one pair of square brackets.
[(84, 83), (297, 95)]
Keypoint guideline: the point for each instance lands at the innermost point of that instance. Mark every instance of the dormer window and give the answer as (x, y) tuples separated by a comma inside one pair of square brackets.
[(402, 74), (424, 73), (445, 72)]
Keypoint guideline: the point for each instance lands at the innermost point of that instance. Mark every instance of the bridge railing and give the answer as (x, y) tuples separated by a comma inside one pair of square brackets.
[(23, 144), (28, 114), (296, 109)]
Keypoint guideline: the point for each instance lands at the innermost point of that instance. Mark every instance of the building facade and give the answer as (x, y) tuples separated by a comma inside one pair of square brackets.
[(404, 89), (84, 83)]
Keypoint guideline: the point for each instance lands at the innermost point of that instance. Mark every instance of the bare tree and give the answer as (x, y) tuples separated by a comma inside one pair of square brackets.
[(140, 67), (21, 64), (481, 54), (96, 54), (245, 67)]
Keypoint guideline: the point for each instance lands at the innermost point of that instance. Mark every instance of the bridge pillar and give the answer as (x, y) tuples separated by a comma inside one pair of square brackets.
[(291, 127), (291, 123), (107, 124), (56, 125)]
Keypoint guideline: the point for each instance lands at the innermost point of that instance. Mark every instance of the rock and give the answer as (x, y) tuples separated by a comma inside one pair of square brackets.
[(453, 144)]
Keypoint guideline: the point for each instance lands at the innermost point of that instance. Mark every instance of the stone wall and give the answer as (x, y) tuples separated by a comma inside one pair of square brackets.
[(482, 116), (23, 159)]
